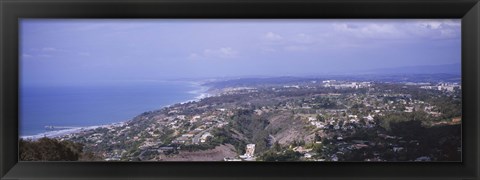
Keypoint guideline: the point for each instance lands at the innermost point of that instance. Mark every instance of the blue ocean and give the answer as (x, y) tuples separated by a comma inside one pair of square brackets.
[(89, 105)]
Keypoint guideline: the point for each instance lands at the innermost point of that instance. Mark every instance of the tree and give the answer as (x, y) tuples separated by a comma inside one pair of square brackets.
[(288, 155), (408, 129), (45, 149), (320, 118), (318, 138), (277, 147)]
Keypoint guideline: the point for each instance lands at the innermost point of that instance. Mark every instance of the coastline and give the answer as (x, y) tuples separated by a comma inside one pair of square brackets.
[(64, 132), (201, 93)]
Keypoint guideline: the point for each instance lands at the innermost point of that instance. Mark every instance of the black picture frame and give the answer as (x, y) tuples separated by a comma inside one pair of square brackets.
[(12, 10)]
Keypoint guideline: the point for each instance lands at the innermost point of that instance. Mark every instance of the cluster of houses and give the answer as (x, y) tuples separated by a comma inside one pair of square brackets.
[(337, 123), (449, 87), (344, 84), (195, 128), (238, 90), (201, 133)]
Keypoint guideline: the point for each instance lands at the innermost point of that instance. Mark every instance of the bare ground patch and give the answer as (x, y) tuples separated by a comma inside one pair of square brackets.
[(216, 154)]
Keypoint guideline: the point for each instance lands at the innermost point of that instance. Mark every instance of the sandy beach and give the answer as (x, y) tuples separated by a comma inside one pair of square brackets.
[(63, 132)]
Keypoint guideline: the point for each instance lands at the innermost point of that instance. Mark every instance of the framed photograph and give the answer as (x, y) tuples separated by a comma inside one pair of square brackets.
[(239, 90)]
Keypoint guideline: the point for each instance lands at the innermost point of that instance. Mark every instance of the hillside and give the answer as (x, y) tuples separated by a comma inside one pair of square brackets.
[(310, 121)]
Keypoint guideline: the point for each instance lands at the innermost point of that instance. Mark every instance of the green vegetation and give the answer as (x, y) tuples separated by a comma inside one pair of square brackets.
[(287, 155), (253, 127), (307, 121), (45, 149), (224, 136)]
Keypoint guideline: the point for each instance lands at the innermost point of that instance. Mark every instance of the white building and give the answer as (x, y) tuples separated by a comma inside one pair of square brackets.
[(250, 150), (204, 137)]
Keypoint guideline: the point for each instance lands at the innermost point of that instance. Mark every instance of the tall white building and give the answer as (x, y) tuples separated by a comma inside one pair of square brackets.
[(250, 150)]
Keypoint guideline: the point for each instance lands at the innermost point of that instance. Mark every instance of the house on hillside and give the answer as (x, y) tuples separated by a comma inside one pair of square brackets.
[(205, 136)]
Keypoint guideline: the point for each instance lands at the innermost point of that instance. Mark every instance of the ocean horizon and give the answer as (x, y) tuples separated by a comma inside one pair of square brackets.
[(93, 105)]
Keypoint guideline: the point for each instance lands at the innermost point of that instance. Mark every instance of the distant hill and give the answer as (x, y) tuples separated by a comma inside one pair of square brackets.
[(258, 81), (430, 73), (431, 69), (398, 76)]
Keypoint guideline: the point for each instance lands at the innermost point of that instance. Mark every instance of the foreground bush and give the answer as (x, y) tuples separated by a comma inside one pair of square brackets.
[(46, 149)]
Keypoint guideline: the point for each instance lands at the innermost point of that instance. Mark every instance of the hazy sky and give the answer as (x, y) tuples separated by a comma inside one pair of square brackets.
[(89, 51)]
